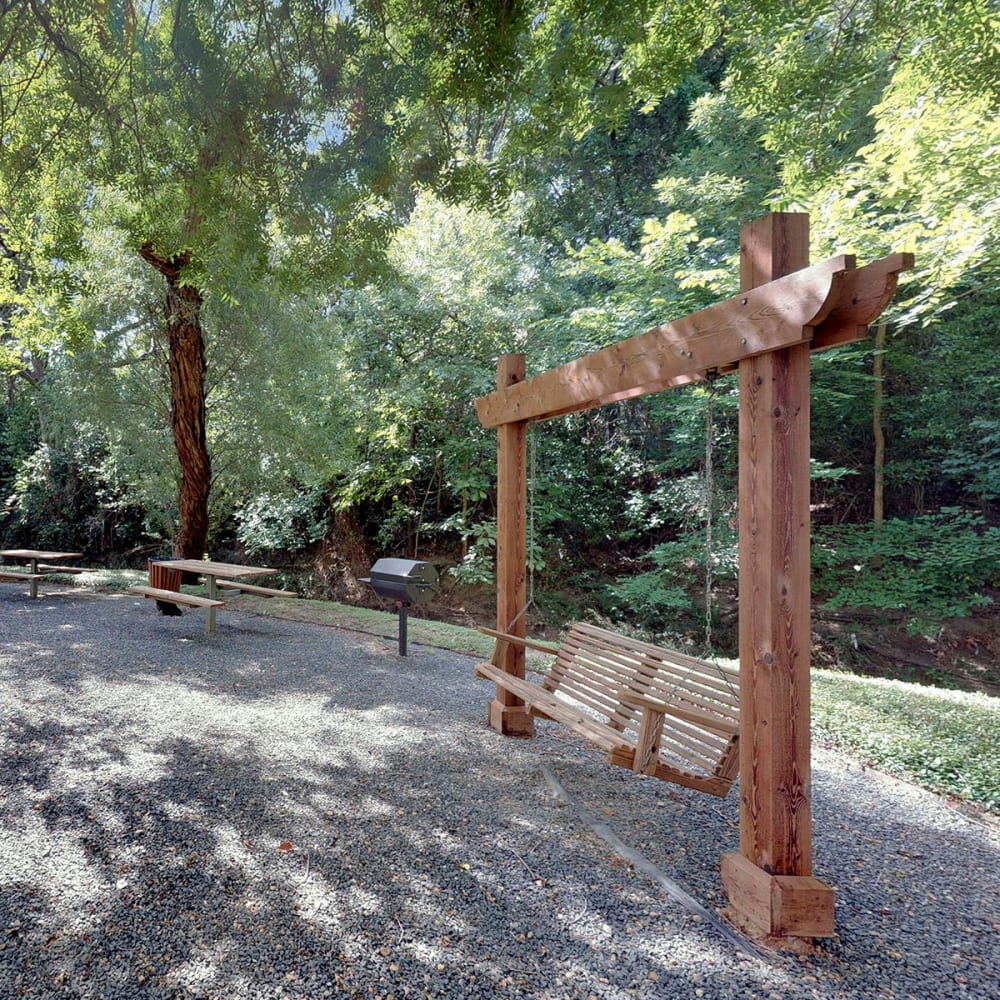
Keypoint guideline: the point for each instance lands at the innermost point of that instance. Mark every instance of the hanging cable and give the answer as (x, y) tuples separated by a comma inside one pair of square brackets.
[(529, 552), (709, 497)]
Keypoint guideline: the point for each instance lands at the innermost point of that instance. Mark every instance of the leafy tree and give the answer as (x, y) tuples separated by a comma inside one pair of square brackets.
[(416, 351), (40, 195), (248, 138)]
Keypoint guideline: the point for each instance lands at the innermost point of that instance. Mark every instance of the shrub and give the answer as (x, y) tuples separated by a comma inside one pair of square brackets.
[(932, 567)]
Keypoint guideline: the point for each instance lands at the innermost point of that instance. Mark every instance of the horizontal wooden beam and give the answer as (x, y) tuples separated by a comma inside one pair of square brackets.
[(828, 303), (759, 320)]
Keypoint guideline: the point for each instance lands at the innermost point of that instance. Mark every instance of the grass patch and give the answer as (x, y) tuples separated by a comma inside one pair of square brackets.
[(104, 579), (943, 740), (371, 621)]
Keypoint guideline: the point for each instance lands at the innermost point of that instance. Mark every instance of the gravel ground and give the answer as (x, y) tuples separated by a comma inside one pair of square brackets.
[(290, 811)]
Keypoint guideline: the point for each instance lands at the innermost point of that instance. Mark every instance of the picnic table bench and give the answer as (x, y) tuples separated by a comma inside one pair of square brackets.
[(655, 711), (42, 563), (16, 575), (250, 588), (165, 579)]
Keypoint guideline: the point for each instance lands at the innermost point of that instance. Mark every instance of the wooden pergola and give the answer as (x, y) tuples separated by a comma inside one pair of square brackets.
[(786, 309)]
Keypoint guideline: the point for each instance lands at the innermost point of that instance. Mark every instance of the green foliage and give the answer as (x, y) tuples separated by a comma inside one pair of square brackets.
[(69, 497), (352, 316), (931, 567), (280, 523), (414, 353), (18, 438), (590, 63), (671, 595), (943, 740)]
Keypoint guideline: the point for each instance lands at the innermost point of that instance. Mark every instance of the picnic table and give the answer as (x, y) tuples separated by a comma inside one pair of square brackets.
[(218, 575), (40, 562)]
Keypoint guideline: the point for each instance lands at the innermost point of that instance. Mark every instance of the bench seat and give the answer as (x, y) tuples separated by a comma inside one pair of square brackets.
[(47, 568), (175, 597), (253, 588), (652, 710)]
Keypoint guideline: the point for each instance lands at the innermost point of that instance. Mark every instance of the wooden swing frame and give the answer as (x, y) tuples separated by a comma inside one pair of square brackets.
[(785, 310)]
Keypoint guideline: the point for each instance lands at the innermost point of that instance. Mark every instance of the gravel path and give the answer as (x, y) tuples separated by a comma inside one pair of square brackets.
[(290, 811)]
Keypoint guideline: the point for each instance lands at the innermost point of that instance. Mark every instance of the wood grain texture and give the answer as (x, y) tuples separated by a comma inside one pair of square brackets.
[(674, 353), (775, 812), (507, 713), (653, 710)]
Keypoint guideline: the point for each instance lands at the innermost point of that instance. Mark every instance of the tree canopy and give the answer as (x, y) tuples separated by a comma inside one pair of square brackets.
[(257, 259)]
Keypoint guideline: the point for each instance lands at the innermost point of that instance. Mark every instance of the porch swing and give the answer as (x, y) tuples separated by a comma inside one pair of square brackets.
[(786, 309), (655, 711)]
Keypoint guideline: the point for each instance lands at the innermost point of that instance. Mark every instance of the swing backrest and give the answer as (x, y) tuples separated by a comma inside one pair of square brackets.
[(595, 668)]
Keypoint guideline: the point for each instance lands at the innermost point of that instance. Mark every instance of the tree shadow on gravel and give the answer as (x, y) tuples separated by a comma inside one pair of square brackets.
[(228, 874), (288, 811)]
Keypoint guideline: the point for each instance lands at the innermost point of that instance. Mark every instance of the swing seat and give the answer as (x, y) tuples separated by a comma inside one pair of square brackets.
[(652, 710)]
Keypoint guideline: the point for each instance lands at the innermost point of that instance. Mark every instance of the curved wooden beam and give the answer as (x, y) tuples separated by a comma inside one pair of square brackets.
[(828, 303), (861, 296)]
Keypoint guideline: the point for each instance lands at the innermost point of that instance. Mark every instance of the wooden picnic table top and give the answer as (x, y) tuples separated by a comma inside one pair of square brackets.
[(37, 555), (207, 568)]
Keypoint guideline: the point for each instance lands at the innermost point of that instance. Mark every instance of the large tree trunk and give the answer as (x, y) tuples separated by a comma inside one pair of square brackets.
[(186, 359)]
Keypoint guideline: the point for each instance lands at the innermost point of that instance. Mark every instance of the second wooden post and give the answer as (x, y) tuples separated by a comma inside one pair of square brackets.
[(507, 714)]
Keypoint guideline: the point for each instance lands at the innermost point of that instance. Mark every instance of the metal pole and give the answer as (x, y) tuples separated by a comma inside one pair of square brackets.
[(402, 629)]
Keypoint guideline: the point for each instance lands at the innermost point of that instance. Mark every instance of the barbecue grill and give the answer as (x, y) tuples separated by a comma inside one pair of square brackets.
[(404, 582)]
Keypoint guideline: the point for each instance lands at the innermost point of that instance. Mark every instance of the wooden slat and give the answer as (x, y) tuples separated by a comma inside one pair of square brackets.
[(681, 746), (252, 588), (542, 647), (175, 597), (712, 784), (704, 719), (717, 680), (621, 670), (535, 696), (716, 677)]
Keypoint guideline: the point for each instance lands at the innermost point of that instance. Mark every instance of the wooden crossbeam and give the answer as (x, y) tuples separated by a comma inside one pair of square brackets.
[(826, 304), (860, 297)]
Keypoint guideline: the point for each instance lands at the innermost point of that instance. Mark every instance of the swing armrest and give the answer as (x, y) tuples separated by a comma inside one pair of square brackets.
[(517, 640), (706, 719)]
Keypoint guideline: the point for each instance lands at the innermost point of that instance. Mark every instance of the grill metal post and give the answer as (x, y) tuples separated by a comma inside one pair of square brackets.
[(402, 627)]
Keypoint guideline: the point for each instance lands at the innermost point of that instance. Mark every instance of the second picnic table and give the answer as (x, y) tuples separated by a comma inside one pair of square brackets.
[(37, 560), (217, 575), (214, 571)]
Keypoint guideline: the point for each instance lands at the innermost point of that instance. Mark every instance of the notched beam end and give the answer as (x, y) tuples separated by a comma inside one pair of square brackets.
[(861, 296)]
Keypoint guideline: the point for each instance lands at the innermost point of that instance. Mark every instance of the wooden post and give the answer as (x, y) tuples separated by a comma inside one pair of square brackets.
[(507, 714), (769, 882)]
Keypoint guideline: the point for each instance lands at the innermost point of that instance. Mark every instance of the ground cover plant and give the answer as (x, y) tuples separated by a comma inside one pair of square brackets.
[(943, 740)]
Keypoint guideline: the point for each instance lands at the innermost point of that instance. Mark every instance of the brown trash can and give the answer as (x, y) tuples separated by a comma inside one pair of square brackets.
[(162, 576)]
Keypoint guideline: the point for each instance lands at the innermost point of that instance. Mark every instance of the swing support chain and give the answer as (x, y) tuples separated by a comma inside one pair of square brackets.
[(711, 377)]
